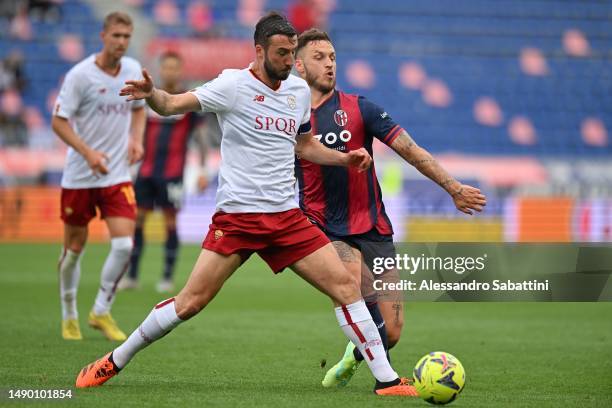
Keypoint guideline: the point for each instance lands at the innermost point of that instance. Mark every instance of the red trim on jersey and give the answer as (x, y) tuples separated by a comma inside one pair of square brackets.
[(105, 71), (357, 181), (178, 141), (392, 135), (152, 133), (261, 80), (164, 303)]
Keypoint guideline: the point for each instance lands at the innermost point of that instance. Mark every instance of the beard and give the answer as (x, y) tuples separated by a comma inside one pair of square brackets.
[(275, 75), (324, 88)]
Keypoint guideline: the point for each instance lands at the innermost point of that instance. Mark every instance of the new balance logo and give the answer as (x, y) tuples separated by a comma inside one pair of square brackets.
[(258, 98)]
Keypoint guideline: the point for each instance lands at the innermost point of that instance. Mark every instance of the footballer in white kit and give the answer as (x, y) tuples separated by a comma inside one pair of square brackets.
[(104, 132), (264, 115)]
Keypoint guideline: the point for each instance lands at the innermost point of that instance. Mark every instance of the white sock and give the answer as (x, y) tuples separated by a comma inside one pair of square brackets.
[(357, 324), (159, 322), (69, 274), (114, 267)]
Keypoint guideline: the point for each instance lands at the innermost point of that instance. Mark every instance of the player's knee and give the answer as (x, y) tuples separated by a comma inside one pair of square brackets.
[(76, 247), (122, 245)]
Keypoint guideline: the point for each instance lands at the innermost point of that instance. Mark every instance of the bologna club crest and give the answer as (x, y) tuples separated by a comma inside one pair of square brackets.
[(340, 117)]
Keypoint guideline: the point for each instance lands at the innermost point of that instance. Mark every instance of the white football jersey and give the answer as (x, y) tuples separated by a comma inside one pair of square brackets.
[(258, 126), (90, 99)]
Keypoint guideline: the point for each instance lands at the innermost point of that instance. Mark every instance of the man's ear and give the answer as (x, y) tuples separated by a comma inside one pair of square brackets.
[(299, 66), (260, 51)]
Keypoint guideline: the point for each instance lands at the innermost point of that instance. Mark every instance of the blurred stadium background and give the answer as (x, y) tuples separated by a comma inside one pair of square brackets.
[(514, 97)]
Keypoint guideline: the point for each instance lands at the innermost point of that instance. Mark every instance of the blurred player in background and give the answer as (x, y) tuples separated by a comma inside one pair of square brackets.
[(347, 205), (264, 113), (105, 137), (160, 178)]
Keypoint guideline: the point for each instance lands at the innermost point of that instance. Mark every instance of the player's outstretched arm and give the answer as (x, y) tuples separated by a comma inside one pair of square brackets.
[(309, 148), (160, 101), (466, 198), (96, 160)]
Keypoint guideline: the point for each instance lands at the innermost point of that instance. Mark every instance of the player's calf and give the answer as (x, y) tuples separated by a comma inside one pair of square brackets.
[(393, 314)]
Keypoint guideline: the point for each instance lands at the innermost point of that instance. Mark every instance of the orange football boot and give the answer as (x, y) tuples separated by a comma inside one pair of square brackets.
[(97, 373), (403, 389)]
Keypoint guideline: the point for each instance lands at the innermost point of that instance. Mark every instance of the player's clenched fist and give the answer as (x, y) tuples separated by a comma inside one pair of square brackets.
[(138, 89), (359, 158)]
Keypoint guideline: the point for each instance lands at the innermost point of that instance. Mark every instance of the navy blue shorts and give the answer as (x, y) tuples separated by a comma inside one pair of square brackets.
[(371, 244), (157, 192)]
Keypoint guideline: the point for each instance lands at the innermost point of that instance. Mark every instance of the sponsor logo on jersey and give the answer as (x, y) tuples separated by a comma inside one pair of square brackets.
[(332, 138), (259, 98), (122, 108), (285, 125), (291, 101), (340, 117)]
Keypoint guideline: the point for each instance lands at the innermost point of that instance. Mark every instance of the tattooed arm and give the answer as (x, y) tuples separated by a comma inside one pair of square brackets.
[(466, 198)]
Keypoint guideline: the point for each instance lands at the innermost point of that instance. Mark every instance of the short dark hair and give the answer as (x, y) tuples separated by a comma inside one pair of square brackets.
[(170, 54), (117, 17), (313, 34), (271, 24)]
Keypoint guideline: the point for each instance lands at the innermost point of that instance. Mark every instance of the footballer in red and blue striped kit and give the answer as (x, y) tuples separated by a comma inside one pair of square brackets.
[(347, 204), (341, 200)]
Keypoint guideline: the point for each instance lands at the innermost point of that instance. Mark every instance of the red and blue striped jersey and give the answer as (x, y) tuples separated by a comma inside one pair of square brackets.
[(342, 200), (165, 144)]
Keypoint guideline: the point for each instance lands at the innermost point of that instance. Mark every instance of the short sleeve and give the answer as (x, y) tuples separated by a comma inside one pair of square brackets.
[(377, 122), (217, 95), (305, 126), (69, 97)]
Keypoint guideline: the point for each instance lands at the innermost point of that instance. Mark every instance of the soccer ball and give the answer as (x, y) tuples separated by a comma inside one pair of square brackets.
[(439, 377)]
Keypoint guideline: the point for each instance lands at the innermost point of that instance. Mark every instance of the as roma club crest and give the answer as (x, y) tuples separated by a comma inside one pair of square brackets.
[(218, 234), (340, 117), (291, 102)]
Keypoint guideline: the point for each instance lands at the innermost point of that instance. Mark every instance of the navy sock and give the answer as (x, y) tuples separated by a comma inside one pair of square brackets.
[(171, 253), (380, 324), (136, 252)]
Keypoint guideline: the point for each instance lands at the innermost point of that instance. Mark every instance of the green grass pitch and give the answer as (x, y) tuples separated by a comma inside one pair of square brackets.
[(261, 341)]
